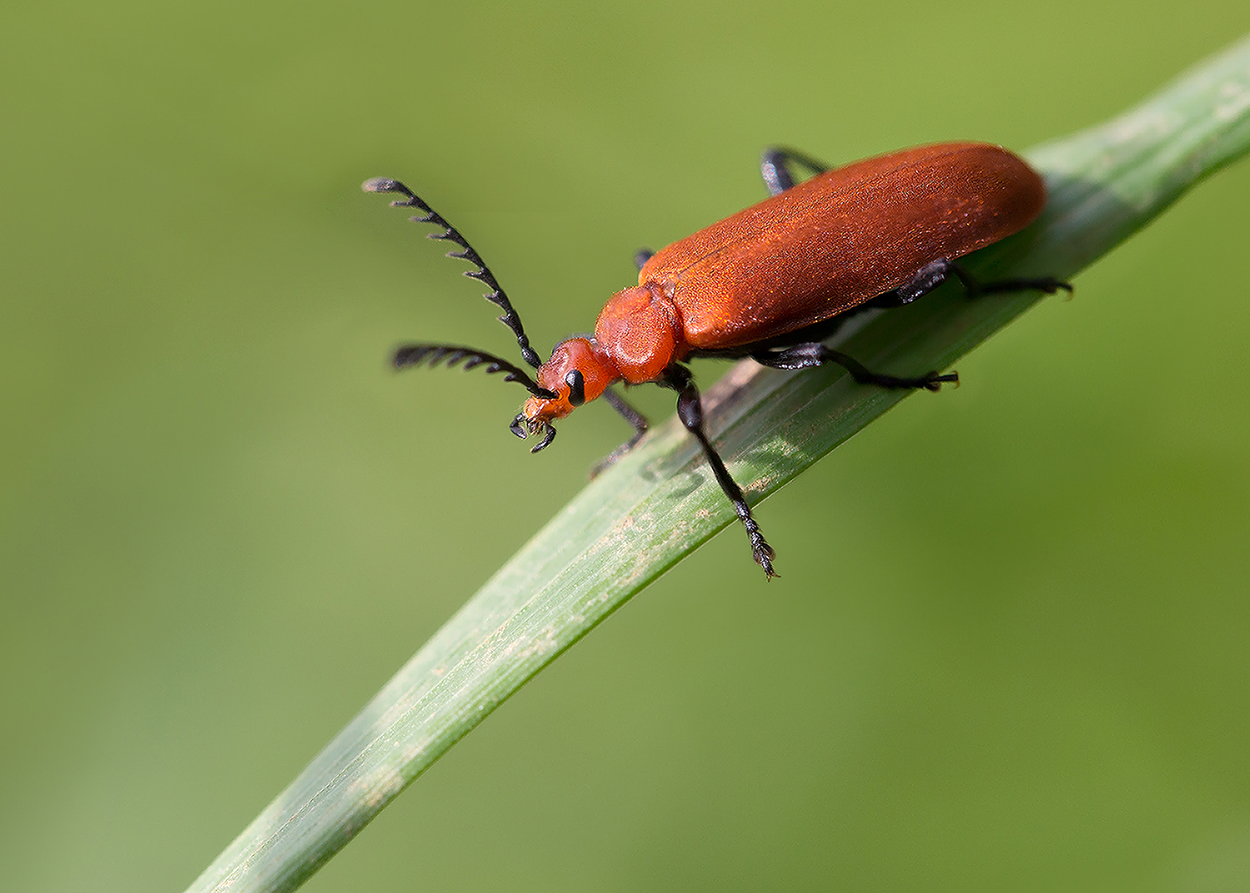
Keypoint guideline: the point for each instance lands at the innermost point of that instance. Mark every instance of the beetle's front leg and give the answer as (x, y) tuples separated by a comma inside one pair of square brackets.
[(631, 415), (690, 411)]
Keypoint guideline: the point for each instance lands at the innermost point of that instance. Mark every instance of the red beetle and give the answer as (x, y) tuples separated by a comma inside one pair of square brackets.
[(769, 283)]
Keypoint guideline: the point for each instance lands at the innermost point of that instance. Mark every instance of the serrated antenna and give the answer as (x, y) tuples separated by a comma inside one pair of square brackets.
[(496, 296), (452, 355)]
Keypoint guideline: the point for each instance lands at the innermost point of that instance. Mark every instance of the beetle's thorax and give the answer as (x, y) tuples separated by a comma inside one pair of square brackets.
[(640, 330), (636, 338)]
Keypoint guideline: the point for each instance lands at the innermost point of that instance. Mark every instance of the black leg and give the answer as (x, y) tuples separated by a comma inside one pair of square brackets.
[(776, 171), (690, 411), (634, 417), (807, 356), (927, 278), (931, 275), (642, 256)]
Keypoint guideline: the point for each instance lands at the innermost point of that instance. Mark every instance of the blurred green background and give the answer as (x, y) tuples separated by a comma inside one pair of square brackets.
[(1019, 608)]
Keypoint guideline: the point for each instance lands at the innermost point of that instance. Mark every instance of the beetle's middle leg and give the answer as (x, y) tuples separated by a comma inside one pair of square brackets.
[(812, 354), (931, 275)]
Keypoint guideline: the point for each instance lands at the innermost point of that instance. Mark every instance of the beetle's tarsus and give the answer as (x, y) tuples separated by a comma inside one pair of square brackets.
[(619, 453), (934, 381), (1045, 284), (762, 552)]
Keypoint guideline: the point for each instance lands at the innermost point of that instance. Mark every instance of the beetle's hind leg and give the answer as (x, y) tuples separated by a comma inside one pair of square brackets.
[(776, 167), (777, 164), (810, 355), (931, 275)]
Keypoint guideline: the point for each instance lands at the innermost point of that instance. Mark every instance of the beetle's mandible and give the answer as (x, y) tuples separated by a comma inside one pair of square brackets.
[(769, 283)]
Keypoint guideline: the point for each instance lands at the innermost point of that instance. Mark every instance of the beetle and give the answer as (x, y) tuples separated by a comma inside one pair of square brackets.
[(768, 283)]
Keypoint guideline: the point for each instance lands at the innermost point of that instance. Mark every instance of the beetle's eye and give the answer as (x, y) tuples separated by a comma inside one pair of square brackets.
[(577, 387)]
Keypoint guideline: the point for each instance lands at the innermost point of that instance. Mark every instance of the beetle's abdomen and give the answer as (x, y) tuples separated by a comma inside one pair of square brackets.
[(840, 239)]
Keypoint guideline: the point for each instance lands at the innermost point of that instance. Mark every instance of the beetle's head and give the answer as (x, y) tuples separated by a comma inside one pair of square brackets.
[(577, 372), (579, 369)]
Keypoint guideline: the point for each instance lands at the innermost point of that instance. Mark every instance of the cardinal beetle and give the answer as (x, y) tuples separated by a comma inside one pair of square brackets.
[(769, 283)]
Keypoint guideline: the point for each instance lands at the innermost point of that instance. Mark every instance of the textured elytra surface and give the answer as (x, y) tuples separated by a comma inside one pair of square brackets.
[(842, 238)]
